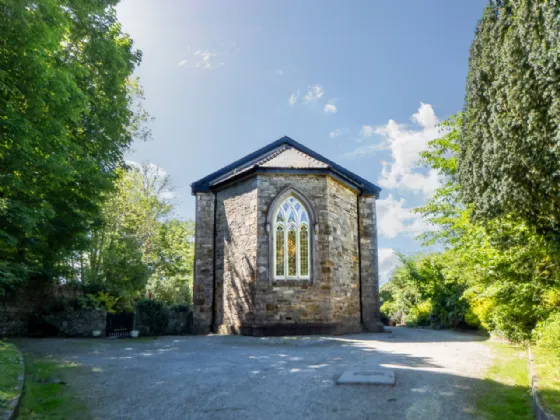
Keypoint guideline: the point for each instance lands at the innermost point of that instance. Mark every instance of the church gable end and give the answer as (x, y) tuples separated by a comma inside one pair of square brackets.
[(309, 266)]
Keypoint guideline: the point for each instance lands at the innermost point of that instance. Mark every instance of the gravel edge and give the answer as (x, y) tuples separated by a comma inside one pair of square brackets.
[(540, 412), (14, 404)]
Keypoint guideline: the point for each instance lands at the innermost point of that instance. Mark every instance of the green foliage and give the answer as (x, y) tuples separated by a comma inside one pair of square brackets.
[(509, 162), (471, 320), (508, 271), (138, 248), (505, 392), (423, 291), (180, 307), (67, 116), (151, 317), (11, 370), (419, 315), (124, 272), (548, 333), (546, 364), (79, 303), (107, 302), (48, 391), (172, 278), (444, 209)]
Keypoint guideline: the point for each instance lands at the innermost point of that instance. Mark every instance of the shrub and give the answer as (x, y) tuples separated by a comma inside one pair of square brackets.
[(180, 307), (419, 315), (79, 303), (548, 333), (107, 301), (471, 320), (151, 317)]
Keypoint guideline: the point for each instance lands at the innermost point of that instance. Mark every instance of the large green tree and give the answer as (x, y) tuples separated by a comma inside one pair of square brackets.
[(67, 115), (506, 270), (510, 148), (140, 246)]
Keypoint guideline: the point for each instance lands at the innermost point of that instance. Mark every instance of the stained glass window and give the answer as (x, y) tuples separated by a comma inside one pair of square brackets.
[(292, 240), (292, 264), (279, 251), (292, 217), (303, 251)]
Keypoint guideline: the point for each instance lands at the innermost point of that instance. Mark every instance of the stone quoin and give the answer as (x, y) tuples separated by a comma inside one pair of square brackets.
[(286, 243)]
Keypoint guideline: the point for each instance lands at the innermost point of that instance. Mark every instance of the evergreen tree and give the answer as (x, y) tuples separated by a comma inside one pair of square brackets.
[(510, 147)]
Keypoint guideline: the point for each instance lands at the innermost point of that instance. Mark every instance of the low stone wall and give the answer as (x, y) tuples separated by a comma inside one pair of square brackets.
[(179, 323), (78, 323), (19, 307)]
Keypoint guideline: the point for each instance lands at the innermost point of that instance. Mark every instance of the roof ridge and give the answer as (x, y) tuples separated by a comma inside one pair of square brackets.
[(252, 160)]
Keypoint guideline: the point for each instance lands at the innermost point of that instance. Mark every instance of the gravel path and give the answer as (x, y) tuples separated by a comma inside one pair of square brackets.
[(233, 377)]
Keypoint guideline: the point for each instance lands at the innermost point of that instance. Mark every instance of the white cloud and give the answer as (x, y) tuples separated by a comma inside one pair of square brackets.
[(366, 150), (388, 261), (314, 93), (425, 116), (395, 219), (367, 131), (338, 132), (330, 108), (208, 59), (205, 55), (293, 98), (405, 144)]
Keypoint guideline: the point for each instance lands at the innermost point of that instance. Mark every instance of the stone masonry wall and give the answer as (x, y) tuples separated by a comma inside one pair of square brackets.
[(236, 255), (247, 300), (290, 301), (203, 263), (343, 254), (369, 265), (20, 307), (78, 323)]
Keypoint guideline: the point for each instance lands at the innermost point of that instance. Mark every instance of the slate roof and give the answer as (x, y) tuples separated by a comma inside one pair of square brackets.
[(286, 154)]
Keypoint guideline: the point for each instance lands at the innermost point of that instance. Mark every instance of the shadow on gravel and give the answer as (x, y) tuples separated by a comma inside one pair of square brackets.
[(411, 335), (215, 378)]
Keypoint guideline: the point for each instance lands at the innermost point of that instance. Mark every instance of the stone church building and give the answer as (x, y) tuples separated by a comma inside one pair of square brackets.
[(286, 243)]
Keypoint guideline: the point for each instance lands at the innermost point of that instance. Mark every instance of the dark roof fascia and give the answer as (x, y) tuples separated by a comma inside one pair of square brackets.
[(204, 184), (287, 171)]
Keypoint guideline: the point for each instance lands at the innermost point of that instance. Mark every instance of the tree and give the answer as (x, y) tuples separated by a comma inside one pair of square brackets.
[(444, 210), (510, 148), (139, 246), (172, 277), (506, 270), (67, 115)]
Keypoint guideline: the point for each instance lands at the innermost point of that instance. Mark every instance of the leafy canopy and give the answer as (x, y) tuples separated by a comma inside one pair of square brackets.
[(67, 115), (510, 148), (139, 248)]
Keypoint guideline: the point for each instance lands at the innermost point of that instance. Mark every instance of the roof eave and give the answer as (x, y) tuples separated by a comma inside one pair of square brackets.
[(204, 184)]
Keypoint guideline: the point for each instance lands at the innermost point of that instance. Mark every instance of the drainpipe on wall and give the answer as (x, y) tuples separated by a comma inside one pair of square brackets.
[(213, 326), (359, 257)]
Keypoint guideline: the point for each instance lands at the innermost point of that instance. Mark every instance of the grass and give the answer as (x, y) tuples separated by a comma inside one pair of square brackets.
[(10, 370), (546, 364), (47, 393), (505, 392)]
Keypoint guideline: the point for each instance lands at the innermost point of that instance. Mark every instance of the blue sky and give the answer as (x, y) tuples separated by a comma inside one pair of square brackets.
[(361, 82)]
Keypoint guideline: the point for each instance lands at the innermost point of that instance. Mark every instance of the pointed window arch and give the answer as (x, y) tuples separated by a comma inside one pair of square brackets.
[(291, 242)]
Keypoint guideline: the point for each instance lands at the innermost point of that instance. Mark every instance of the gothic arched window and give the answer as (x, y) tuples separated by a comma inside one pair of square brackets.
[(291, 244)]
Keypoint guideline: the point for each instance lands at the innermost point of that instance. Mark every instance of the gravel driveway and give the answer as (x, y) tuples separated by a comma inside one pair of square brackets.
[(234, 377)]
